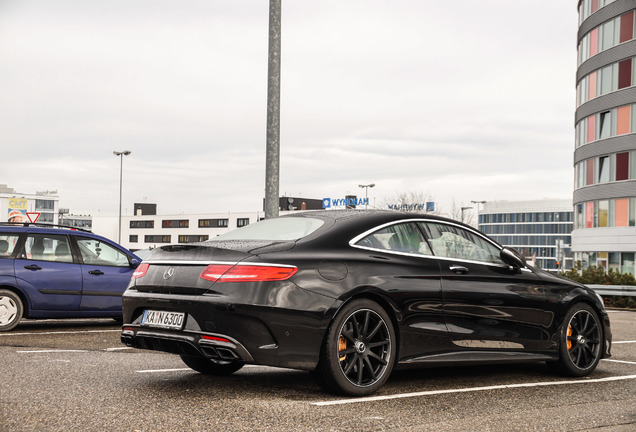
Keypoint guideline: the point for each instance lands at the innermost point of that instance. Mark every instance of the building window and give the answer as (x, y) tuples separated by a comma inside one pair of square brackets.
[(183, 223), (157, 239), (46, 217), (213, 223), (133, 238), (44, 205), (241, 222), (193, 238), (603, 169), (627, 27), (142, 224), (622, 166)]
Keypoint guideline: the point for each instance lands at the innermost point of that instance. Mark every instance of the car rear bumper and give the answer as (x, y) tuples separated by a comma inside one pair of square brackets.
[(217, 328)]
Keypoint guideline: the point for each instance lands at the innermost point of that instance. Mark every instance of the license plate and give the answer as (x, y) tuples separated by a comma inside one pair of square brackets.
[(163, 319)]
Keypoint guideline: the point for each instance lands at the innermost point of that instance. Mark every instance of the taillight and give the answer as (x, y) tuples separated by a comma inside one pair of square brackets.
[(214, 338), (246, 273), (140, 270)]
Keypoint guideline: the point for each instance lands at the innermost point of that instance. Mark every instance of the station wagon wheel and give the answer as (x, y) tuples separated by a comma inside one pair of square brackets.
[(581, 341), (210, 367), (11, 310), (359, 350)]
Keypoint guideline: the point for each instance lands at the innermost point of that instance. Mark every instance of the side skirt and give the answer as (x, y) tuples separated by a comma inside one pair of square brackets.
[(466, 358)]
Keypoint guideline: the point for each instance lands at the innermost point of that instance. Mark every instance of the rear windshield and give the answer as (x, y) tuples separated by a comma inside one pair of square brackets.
[(288, 228)]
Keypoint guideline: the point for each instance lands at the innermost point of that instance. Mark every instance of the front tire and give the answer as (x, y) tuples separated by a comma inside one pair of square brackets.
[(358, 353), (581, 342), (11, 310), (210, 367)]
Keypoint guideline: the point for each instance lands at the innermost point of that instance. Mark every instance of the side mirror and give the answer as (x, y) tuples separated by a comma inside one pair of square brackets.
[(134, 263), (512, 257)]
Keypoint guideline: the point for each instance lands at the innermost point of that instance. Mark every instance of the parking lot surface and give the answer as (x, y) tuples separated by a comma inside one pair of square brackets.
[(75, 375)]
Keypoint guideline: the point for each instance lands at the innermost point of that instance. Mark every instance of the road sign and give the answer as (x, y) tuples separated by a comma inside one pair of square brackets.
[(33, 216)]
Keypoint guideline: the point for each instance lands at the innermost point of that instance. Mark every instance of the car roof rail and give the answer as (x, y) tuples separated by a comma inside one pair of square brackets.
[(44, 225)]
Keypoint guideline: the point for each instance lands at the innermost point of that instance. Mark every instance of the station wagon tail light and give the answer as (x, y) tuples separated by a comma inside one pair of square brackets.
[(140, 270), (246, 273)]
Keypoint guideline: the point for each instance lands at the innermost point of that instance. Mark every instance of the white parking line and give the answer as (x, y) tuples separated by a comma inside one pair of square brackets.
[(471, 389), (117, 349), (622, 342), (58, 332), (163, 370), (51, 351), (620, 361)]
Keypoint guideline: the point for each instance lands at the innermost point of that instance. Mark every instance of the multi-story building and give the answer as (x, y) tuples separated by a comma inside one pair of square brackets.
[(146, 229), (605, 141), (538, 229), (19, 206)]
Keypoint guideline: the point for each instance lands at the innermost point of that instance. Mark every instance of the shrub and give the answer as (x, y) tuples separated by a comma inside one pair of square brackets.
[(598, 276)]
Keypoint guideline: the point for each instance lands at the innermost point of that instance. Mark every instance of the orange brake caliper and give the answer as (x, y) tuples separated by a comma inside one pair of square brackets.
[(342, 345)]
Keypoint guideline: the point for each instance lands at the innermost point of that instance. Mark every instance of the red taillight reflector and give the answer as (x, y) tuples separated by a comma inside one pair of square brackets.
[(214, 338), (140, 270), (246, 273)]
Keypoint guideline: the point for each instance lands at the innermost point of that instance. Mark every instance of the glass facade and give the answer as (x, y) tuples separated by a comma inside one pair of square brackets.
[(542, 236)]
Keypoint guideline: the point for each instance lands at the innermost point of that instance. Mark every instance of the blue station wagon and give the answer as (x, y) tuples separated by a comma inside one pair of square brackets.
[(59, 272)]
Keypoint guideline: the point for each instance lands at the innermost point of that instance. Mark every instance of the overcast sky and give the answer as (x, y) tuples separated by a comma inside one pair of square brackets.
[(460, 100)]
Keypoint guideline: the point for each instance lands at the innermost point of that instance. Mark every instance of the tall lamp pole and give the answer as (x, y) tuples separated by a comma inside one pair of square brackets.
[(120, 155), (272, 156), (463, 209), (366, 193)]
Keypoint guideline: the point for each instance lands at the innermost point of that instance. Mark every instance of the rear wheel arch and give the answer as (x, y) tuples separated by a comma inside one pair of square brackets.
[(26, 305), (389, 307), (13, 308), (377, 348)]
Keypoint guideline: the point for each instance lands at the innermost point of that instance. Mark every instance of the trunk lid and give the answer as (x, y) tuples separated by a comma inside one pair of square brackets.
[(176, 269)]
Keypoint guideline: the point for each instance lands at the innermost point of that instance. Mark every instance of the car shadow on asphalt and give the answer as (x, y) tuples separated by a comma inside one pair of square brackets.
[(258, 382), (266, 383), (51, 324)]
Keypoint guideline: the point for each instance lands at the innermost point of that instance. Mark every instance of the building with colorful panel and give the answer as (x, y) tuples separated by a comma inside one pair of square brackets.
[(605, 140)]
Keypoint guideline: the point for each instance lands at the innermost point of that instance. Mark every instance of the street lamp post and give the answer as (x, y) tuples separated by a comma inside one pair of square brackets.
[(464, 208), (478, 202), (366, 193), (121, 168)]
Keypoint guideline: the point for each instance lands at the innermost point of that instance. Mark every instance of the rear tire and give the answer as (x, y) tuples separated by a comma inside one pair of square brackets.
[(359, 350), (210, 367), (11, 310), (580, 342)]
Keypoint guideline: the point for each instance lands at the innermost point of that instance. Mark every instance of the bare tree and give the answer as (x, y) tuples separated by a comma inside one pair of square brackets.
[(414, 202), (461, 212)]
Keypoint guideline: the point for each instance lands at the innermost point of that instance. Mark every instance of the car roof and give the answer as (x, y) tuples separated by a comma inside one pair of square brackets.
[(349, 223), (46, 228), (372, 216)]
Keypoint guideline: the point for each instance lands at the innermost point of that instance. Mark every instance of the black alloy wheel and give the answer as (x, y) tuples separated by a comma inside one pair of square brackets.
[(581, 341), (210, 367), (359, 351)]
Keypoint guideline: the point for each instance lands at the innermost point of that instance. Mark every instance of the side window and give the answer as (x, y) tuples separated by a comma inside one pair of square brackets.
[(48, 247), (7, 244), (454, 242), (404, 237), (95, 252)]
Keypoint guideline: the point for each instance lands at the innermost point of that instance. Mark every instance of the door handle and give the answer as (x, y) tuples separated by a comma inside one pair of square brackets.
[(458, 269), (96, 272), (32, 267)]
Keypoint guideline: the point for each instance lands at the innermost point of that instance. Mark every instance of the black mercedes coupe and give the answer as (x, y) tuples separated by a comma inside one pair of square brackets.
[(351, 295)]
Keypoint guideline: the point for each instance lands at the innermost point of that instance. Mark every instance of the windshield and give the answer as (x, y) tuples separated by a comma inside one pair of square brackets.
[(288, 228)]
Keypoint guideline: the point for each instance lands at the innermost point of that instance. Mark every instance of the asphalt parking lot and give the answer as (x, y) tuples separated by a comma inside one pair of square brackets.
[(75, 375)]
